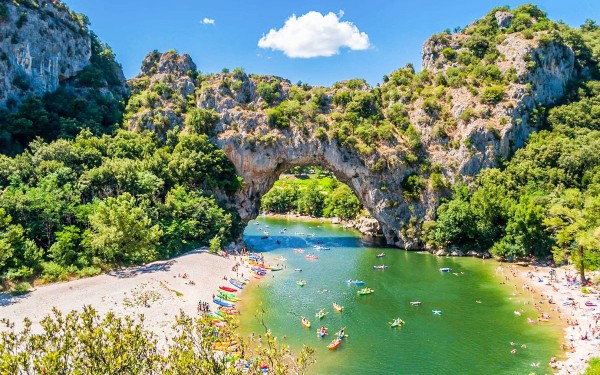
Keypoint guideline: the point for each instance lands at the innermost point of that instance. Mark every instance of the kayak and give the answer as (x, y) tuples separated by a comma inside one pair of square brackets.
[(276, 268), (321, 314), (397, 323), (445, 269), (305, 322), (590, 304), (334, 344), (364, 291), (236, 284), (415, 303), (355, 282), (228, 289), (239, 281), (228, 297), (381, 267), (228, 310), (337, 307), (312, 257), (436, 312), (321, 332), (221, 302), (380, 255), (301, 283)]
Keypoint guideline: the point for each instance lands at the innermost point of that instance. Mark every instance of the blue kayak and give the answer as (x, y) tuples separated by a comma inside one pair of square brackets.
[(236, 284), (223, 303)]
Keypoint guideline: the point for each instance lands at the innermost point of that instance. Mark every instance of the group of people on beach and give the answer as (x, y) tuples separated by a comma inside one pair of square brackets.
[(203, 307)]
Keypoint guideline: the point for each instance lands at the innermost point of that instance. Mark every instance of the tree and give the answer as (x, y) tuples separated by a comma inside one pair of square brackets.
[(575, 221), (122, 232)]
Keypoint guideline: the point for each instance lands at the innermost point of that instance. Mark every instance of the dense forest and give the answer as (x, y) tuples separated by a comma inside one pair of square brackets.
[(83, 205)]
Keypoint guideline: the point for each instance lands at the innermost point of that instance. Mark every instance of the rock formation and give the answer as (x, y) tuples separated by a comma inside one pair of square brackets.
[(43, 45), (455, 133)]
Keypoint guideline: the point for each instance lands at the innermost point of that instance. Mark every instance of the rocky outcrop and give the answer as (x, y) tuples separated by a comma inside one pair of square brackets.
[(44, 46), (401, 179), (41, 45), (368, 226)]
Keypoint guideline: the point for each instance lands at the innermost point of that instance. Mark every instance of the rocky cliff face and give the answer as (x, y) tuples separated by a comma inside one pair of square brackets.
[(41, 44), (398, 146)]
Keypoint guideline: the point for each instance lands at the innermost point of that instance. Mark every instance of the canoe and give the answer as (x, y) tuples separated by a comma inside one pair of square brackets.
[(334, 344), (305, 322), (221, 302), (228, 289), (381, 267)]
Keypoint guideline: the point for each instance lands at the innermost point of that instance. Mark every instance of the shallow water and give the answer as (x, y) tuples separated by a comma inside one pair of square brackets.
[(467, 338)]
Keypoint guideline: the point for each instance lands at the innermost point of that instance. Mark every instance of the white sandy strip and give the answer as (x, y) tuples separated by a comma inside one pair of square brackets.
[(125, 292), (586, 317)]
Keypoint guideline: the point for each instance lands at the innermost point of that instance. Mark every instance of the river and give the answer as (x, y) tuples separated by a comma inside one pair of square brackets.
[(472, 334)]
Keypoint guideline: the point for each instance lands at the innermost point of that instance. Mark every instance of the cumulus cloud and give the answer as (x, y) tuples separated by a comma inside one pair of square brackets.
[(315, 35), (208, 21)]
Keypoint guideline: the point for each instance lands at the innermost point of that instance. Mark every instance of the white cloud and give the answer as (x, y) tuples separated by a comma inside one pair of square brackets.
[(315, 35), (208, 21)]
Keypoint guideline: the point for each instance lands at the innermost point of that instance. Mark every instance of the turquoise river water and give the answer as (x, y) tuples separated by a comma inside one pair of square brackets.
[(468, 337)]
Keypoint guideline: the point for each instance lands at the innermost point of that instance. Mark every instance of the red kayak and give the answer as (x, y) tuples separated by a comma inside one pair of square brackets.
[(228, 289)]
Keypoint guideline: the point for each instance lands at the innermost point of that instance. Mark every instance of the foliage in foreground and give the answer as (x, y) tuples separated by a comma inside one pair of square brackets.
[(87, 343), (593, 367)]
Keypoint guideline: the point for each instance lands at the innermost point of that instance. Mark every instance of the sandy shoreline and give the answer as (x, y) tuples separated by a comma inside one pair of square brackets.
[(156, 290), (568, 310)]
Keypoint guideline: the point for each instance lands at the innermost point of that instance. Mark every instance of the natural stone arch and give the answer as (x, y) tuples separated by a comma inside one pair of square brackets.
[(261, 166)]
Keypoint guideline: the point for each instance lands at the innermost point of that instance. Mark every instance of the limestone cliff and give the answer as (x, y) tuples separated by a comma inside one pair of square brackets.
[(43, 45), (398, 146)]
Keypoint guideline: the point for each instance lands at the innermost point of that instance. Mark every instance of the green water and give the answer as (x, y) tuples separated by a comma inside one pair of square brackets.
[(467, 338)]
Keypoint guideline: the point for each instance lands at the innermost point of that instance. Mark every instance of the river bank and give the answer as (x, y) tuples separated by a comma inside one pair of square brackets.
[(563, 303), (159, 290)]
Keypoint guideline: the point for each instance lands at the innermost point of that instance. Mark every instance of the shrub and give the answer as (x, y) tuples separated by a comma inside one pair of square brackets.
[(412, 186), (277, 118), (53, 272), (449, 53), (21, 288), (201, 121), (492, 94)]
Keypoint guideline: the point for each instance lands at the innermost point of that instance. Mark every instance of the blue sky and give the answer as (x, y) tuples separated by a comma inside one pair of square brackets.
[(386, 34)]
